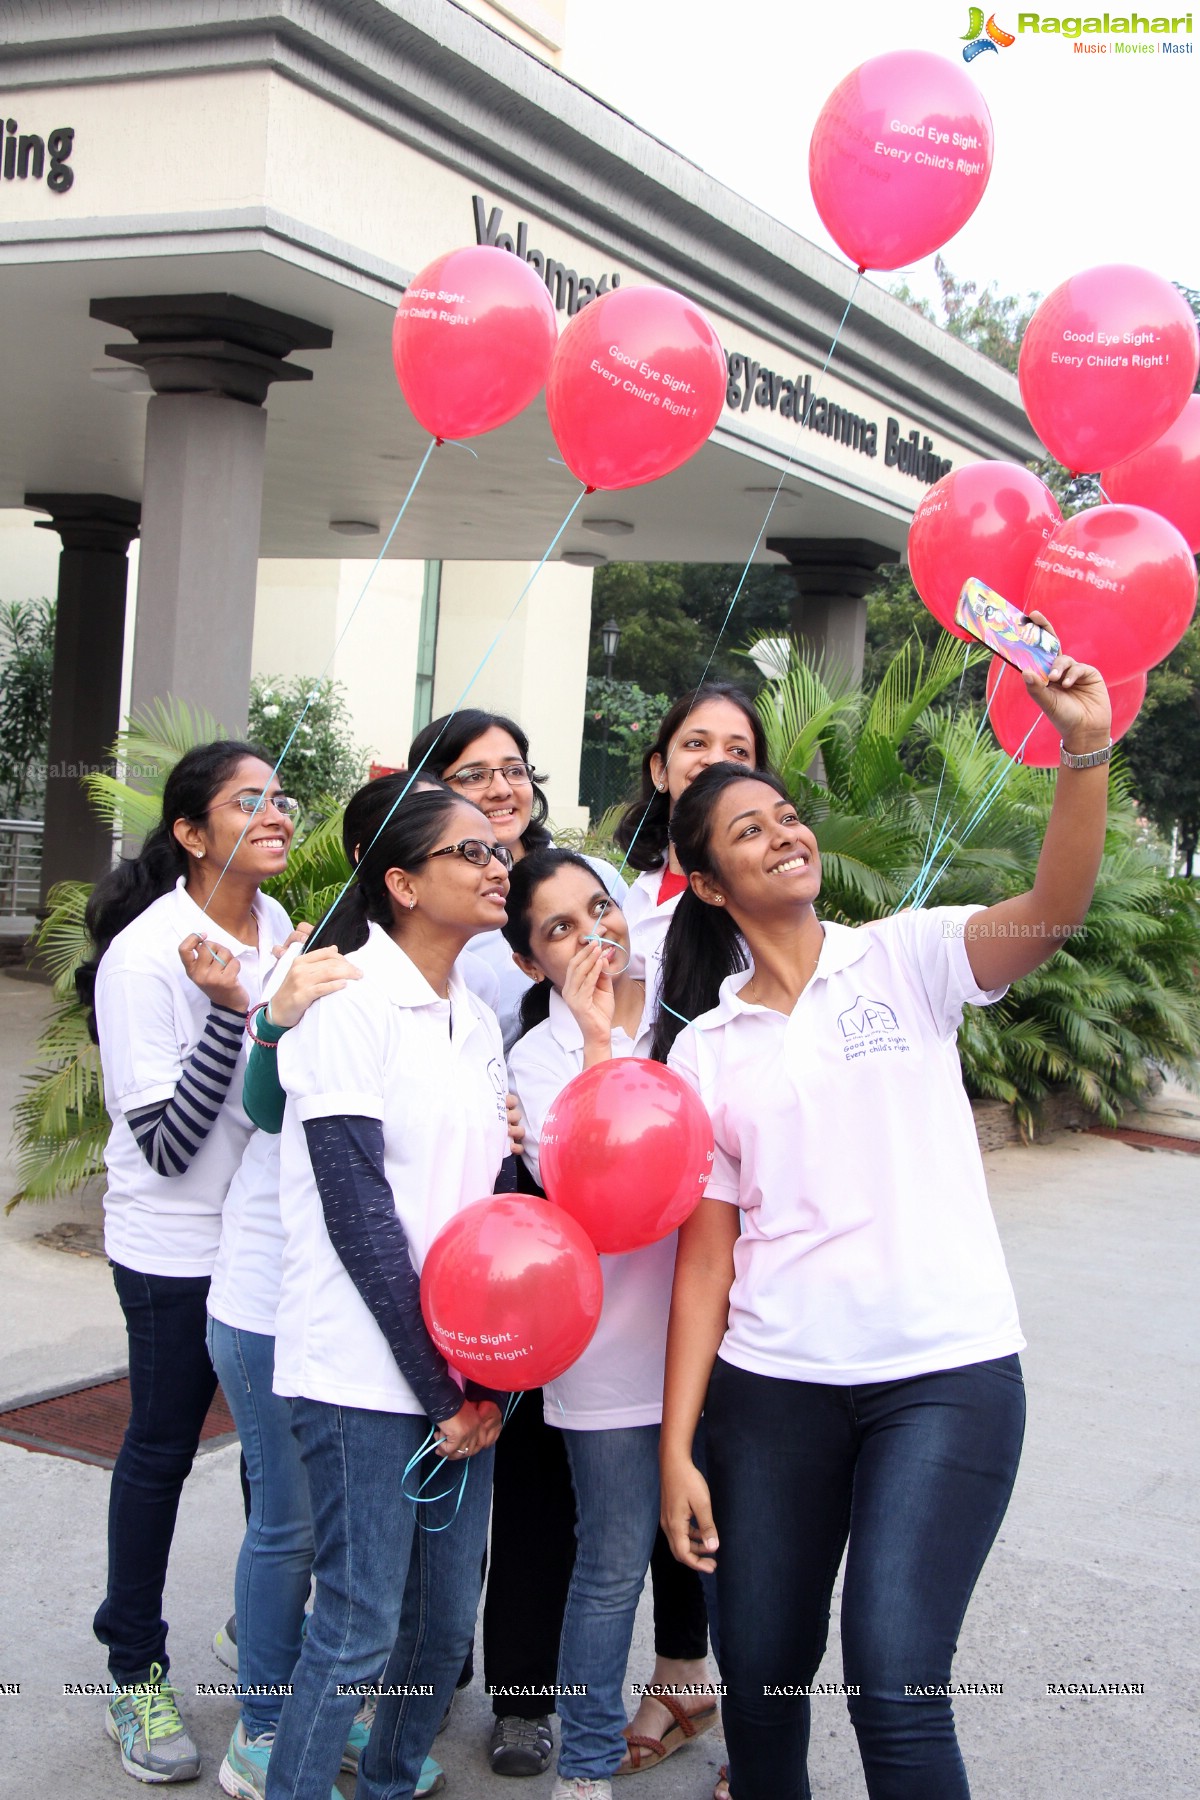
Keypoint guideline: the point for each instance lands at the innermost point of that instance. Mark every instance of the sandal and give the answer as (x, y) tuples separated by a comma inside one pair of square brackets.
[(721, 1791), (647, 1752)]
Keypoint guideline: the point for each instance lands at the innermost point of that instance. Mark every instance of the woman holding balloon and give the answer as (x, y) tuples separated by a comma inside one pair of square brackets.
[(395, 1121), (583, 1010), (841, 1310)]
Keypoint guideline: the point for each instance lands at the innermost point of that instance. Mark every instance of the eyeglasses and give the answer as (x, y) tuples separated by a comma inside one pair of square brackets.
[(474, 850), (254, 803), (517, 774)]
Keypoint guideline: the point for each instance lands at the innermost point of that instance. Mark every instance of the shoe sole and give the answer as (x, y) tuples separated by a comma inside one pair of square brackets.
[(155, 1777), (528, 1772), (235, 1784), (225, 1652)]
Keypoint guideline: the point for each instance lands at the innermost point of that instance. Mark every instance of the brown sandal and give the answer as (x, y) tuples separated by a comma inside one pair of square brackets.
[(647, 1752), (721, 1791)]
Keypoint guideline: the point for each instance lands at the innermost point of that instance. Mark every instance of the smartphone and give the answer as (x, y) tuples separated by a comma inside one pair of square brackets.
[(1005, 629)]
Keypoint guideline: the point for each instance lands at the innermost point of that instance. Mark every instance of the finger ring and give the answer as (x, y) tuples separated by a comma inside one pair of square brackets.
[(195, 956), (461, 1451)]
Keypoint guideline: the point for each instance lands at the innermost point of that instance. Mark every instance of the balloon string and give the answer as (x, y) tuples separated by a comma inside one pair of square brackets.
[(314, 692), (931, 851), (783, 474), (922, 887), (421, 1498), (453, 713), (926, 858)]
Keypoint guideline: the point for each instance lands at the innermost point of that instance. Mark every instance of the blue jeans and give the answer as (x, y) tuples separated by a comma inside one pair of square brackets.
[(171, 1385), (395, 1601), (274, 1565), (615, 1475), (912, 1479)]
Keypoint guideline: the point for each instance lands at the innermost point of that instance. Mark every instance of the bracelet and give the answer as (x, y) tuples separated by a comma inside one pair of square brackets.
[(263, 1043), (1090, 759)]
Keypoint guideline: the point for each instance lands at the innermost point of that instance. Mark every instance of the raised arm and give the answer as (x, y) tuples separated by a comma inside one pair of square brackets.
[(1013, 938)]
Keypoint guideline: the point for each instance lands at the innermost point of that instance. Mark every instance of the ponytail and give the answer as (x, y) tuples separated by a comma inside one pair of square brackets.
[(122, 895), (703, 945), (535, 1007)]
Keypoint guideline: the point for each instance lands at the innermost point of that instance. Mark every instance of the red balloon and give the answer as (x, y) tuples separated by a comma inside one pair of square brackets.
[(472, 340), (899, 157), (636, 385), (1011, 712), (627, 1149), (511, 1291), (1118, 585), (987, 519), (1107, 363), (1166, 476)]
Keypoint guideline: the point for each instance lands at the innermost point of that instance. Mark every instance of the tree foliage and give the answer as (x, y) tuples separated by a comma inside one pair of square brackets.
[(323, 764), (26, 668), (670, 615)]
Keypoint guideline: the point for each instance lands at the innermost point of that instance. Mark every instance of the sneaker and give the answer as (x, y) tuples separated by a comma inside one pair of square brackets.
[(144, 1720), (244, 1771), (360, 1731), (431, 1780), (581, 1789), (523, 1747), (225, 1643)]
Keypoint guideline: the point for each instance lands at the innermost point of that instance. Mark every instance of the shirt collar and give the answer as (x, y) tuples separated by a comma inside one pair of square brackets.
[(403, 983), (196, 919), (843, 945)]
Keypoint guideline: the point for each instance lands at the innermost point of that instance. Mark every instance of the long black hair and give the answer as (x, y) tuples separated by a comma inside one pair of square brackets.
[(523, 883), (122, 895), (365, 812), (643, 832), (703, 944), (404, 842), (444, 740)]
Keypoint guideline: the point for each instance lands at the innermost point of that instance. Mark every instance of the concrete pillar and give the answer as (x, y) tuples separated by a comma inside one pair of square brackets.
[(833, 576), (89, 632), (210, 359)]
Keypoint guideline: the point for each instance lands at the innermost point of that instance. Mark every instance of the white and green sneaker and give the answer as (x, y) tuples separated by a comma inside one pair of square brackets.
[(144, 1720), (432, 1778), (244, 1771)]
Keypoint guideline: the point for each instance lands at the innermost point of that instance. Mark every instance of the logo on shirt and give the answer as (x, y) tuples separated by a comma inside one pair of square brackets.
[(870, 1028), (496, 1076)]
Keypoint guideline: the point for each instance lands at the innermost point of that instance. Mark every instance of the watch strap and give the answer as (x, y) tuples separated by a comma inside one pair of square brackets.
[(1090, 759)]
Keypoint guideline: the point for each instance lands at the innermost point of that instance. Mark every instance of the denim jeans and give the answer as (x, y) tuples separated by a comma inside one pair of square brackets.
[(274, 1566), (395, 1600), (171, 1385), (912, 1479), (615, 1475)]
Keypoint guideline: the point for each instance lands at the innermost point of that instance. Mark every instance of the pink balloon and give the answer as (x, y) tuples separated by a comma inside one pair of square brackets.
[(1106, 364), (987, 520), (899, 158), (1011, 712), (511, 1291), (472, 340), (1166, 476), (636, 385), (1118, 585)]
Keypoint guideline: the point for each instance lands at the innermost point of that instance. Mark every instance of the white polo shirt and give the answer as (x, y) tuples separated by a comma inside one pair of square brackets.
[(618, 1380), (648, 924), (245, 1278), (492, 949), (150, 1015), (432, 1071), (868, 1250)]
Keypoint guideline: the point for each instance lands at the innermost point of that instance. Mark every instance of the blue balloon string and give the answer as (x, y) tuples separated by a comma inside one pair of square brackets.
[(421, 1498), (314, 692)]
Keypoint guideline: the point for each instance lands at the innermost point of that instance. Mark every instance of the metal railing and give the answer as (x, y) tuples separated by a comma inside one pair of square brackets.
[(20, 873)]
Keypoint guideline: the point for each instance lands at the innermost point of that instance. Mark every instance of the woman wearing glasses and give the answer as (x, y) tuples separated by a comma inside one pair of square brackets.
[(485, 757), (396, 1118), (184, 940)]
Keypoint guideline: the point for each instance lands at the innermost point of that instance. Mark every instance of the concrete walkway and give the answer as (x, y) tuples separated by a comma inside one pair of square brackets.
[(1093, 1580)]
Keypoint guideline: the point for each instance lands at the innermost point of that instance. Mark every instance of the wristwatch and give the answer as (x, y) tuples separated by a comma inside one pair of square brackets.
[(1091, 759)]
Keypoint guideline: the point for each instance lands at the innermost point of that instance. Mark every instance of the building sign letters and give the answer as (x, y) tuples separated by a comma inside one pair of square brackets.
[(26, 155)]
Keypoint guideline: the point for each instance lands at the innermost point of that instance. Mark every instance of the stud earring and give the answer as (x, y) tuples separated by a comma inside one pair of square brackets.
[(411, 904), (199, 855)]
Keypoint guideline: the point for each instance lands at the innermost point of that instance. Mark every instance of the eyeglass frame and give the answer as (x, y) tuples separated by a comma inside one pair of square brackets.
[(501, 852), (483, 775), (253, 804)]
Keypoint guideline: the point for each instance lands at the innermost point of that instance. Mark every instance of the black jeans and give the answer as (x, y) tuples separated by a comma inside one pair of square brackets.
[(171, 1383), (912, 1479)]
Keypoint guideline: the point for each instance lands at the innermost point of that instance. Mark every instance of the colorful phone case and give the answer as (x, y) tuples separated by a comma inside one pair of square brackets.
[(1004, 628)]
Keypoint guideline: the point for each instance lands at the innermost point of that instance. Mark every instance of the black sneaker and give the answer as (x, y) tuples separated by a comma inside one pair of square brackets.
[(520, 1746)]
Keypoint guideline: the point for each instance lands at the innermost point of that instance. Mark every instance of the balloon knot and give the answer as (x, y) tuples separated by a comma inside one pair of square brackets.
[(588, 489), (438, 442)]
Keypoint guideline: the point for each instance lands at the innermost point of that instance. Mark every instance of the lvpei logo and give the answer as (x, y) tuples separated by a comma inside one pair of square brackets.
[(979, 37)]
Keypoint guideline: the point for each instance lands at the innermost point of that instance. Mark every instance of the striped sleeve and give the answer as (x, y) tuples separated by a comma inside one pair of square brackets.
[(170, 1133)]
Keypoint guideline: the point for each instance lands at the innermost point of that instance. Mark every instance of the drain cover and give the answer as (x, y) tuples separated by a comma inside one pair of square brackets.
[(88, 1424)]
